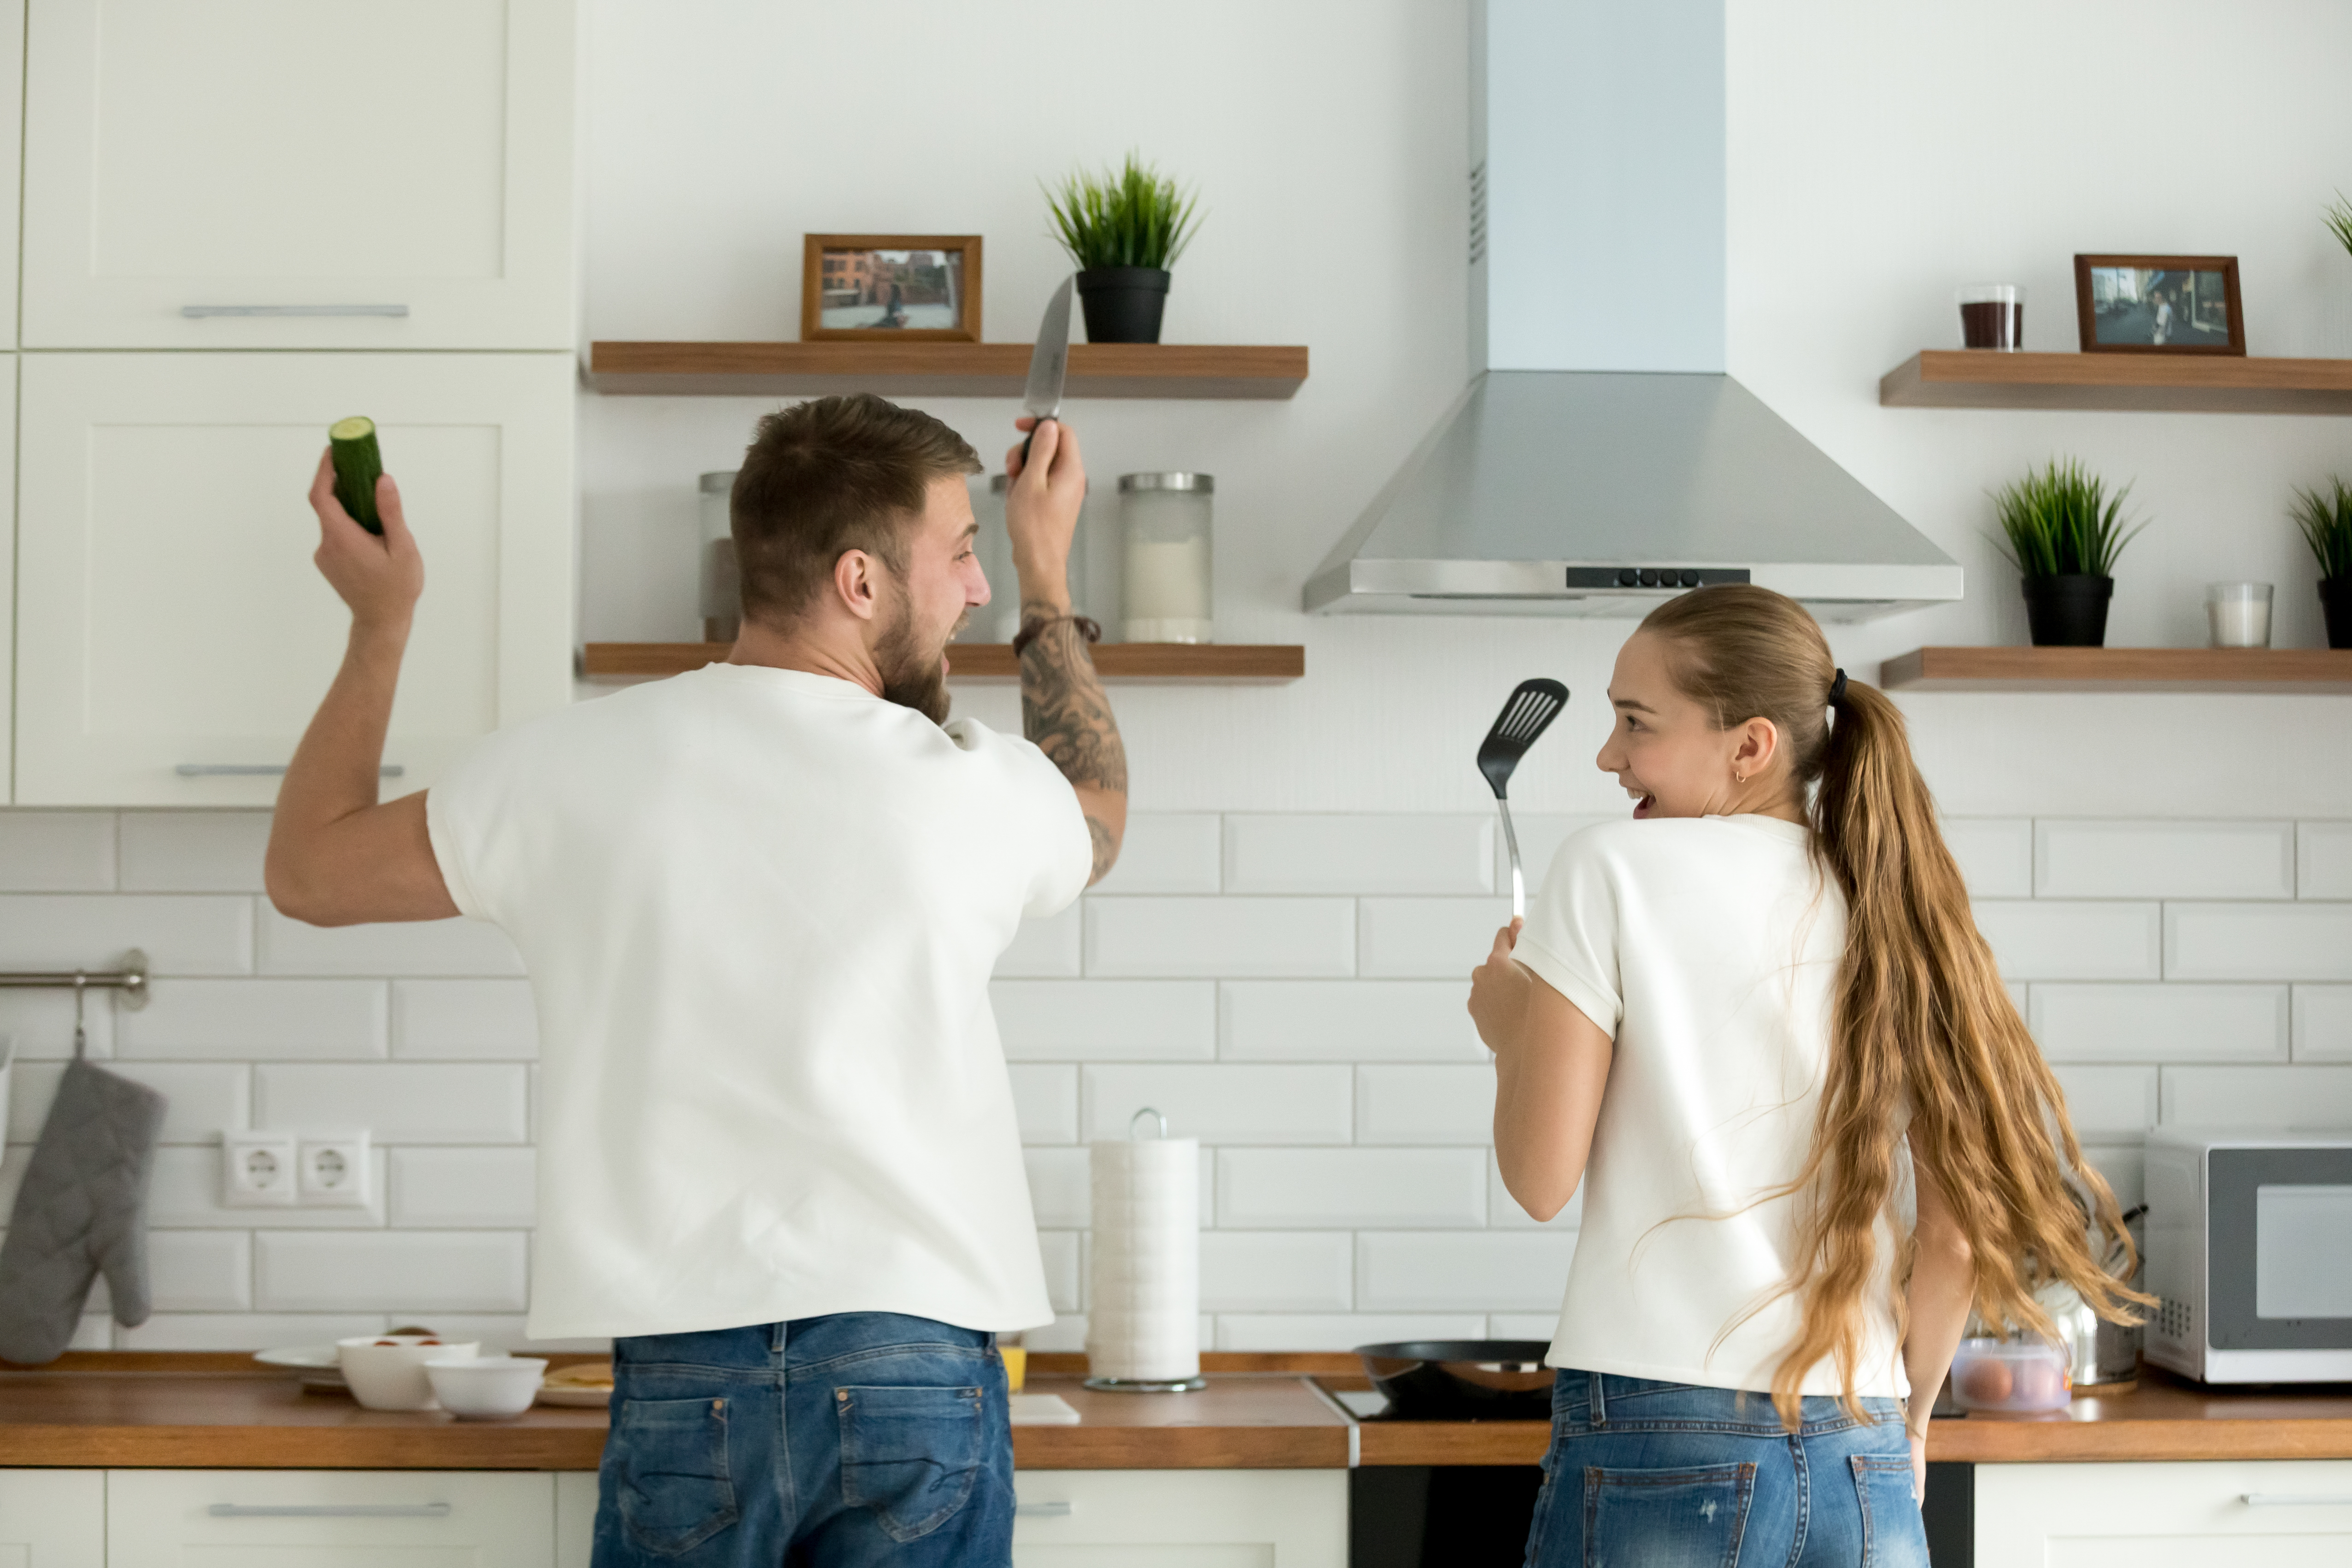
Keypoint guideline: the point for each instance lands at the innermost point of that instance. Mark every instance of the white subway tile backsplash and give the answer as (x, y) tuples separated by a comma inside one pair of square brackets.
[(1348, 1020), (1045, 949), (1060, 1252), (1541, 836), (1307, 1189), (1068, 1331), (1210, 938), (180, 934), (1338, 854), (455, 1188), (184, 1191), (1341, 1331), (56, 852), (2258, 941), (1276, 1270), (2160, 1022), (1166, 852), (2073, 941), (194, 851), (1058, 1188), (42, 1023), (2323, 1023), (1429, 939), (2111, 1104), (206, 1098), (2284, 1100), (397, 1103), (247, 1331), (1045, 1102), (2323, 859), (464, 1020), (500, 1331), (1473, 1271), (1522, 1326), (1106, 1020), (1425, 1105), (2228, 859), (2125, 1166), (1223, 1103), (1995, 853), (258, 1020), (1504, 1212), (450, 947), (200, 1270), (392, 1271)]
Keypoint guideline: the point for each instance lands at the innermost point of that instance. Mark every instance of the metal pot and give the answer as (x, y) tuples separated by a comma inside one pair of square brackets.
[(1462, 1380)]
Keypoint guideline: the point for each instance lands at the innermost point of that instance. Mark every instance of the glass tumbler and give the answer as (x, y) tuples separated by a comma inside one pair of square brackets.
[(2239, 613), (1993, 316), (720, 594), (1167, 570)]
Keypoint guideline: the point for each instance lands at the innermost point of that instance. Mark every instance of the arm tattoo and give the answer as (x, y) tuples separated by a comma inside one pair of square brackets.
[(1063, 711)]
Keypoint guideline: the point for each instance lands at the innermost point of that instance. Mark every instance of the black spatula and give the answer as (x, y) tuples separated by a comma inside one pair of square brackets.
[(1532, 708)]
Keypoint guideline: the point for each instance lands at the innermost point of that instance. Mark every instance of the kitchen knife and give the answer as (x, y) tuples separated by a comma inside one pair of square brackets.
[(1049, 362)]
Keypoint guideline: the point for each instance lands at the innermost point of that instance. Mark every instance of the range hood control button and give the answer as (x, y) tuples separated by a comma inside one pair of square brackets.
[(1649, 577), (1628, 578), (1690, 579)]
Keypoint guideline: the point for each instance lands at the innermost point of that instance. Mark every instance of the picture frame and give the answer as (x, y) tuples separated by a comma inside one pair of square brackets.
[(2158, 305), (893, 287)]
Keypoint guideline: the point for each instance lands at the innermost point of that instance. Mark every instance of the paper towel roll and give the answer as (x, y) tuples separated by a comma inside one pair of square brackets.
[(1143, 1311)]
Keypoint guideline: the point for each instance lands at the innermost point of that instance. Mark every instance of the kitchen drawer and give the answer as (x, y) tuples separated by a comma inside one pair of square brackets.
[(53, 1519), (330, 1519), (1180, 1519), (2255, 1514)]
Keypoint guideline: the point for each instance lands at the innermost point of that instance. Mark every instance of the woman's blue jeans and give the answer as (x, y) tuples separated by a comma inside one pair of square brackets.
[(838, 1442), (1666, 1475)]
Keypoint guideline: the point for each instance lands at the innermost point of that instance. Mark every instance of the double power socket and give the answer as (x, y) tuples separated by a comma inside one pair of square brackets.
[(282, 1170)]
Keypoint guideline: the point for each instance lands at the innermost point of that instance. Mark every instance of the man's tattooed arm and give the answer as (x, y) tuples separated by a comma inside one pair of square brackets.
[(1063, 711)]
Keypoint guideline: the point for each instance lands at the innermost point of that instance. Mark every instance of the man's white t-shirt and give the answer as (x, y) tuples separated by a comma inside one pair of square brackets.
[(1707, 948), (759, 909)]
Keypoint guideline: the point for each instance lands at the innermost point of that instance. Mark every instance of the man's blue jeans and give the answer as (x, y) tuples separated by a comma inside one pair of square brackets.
[(836, 1442)]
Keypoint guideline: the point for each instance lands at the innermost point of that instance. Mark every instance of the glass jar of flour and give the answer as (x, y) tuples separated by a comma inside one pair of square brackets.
[(721, 588), (1168, 570), (1000, 620)]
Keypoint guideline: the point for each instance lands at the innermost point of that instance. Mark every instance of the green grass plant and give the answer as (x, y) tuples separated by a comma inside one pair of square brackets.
[(1135, 218), (2059, 521), (2326, 519), (2339, 221)]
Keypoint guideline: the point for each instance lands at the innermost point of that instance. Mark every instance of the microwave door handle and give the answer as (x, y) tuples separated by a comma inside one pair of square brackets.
[(2296, 1499)]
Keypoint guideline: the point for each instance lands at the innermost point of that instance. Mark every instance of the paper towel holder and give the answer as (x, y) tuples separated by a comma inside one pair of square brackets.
[(1192, 1385)]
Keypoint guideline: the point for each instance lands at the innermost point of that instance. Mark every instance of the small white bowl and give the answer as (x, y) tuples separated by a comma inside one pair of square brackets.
[(486, 1388), (387, 1371)]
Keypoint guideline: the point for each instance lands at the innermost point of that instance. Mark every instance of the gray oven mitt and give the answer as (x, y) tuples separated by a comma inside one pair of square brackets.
[(83, 1208)]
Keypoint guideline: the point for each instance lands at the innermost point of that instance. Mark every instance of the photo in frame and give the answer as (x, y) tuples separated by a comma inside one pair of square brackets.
[(920, 286), (2158, 305)]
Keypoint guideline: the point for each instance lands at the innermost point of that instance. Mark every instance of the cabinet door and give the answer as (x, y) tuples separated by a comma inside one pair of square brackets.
[(1180, 1519), (2286, 1513), (7, 555), (306, 159), (53, 1519), (171, 624), (328, 1519), (12, 147)]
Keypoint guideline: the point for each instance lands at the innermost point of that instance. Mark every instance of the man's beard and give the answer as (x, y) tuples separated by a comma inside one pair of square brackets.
[(911, 675)]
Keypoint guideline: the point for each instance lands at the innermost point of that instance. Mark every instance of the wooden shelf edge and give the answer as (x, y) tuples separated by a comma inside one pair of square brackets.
[(1964, 378), (2295, 672), (1127, 663), (1251, 371)]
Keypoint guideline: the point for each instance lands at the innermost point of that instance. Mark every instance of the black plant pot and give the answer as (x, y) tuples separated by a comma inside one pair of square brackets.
[(1123, 303), (2068, 611), (2335, 604)]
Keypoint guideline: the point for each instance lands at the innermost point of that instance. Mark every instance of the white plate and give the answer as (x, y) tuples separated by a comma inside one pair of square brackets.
[(596, 1398), (1043, 1410), (309, 1357)]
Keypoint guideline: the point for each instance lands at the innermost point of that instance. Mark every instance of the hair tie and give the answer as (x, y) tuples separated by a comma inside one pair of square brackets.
[(1837, 689)]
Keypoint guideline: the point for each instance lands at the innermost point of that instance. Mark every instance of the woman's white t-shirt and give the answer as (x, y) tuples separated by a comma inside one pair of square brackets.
[(1707, 948)]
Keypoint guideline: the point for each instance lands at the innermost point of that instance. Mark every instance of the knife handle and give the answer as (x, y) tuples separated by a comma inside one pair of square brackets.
[(1031, 436)]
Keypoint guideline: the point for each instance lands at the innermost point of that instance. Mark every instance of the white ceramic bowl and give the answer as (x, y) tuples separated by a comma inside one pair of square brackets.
[(387, 1371), (486, 1388)]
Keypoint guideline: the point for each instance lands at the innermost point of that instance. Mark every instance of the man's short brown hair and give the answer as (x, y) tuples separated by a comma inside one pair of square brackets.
[(830, 475)]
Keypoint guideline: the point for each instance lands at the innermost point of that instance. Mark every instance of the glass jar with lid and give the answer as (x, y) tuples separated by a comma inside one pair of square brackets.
[(1001, 621), (721, 595), (1168, 568)]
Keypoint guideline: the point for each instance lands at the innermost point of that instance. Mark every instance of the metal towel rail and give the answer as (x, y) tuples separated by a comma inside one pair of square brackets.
[(131, 980)]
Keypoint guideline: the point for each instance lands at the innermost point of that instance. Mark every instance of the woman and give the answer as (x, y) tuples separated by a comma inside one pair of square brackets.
[(1766, 1036)]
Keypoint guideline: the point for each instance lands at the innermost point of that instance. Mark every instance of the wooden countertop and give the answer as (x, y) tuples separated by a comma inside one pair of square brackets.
[(221, 1411)]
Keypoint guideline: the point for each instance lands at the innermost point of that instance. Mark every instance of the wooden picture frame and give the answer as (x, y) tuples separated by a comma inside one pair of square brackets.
[(2174, 316), (960, 286)]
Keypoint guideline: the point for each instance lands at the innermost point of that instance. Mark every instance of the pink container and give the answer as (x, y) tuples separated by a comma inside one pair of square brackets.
[(2008, 1374)]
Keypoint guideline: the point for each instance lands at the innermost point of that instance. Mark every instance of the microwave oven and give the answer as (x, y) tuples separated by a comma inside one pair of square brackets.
[(2249, 1256)]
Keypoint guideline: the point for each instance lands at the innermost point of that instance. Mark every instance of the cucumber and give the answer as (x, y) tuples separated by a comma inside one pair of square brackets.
[(358, 465)]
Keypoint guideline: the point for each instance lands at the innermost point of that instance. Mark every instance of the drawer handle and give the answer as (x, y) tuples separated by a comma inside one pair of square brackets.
[(2296, 1499), (1044, 1510), (197, 312), (331, 1510), (257, 769)]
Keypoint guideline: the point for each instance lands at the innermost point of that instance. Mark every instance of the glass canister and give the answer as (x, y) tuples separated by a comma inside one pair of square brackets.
[(721, 594), (1167, 572), (1002, 619)]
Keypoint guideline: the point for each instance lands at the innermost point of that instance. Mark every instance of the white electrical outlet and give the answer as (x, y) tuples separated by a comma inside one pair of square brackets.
[(334, 1170), (257, 1170)]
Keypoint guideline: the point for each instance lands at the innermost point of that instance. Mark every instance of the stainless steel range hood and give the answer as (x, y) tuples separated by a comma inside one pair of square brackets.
[(1600, 460)]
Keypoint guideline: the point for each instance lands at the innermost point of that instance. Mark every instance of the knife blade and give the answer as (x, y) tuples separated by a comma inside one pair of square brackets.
[(1049, 363)]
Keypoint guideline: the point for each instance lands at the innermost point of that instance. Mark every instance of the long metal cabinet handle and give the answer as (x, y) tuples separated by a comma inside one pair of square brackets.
[(1044, 1510), (2296, 1499), (197, 312), (258, 770), (331, 1510)]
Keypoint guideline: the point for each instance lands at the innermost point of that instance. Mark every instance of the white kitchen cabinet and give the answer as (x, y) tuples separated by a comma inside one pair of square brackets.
[(53, 1519), (1180, 1519), (8, 555), (330, 1519), (2281, 1513), (294, 157), (575, 1518), (172, 627), (12, 148)]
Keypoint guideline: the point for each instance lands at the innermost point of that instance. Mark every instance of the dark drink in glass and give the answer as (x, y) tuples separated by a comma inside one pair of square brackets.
[(1993, 316)]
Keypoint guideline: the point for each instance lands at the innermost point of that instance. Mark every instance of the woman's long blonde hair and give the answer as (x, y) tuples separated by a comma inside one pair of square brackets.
[(1920, 1016)]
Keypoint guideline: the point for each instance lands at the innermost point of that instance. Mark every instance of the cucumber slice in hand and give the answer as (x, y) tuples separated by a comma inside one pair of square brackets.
[(358, 465)]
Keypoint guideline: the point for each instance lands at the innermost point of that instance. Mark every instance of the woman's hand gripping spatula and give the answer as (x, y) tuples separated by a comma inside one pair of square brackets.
[(1526, 715)]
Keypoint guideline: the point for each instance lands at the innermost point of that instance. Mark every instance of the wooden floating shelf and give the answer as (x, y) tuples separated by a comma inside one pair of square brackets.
[(942, 370), (2296, 670), (1231, 663), (2181, 383)]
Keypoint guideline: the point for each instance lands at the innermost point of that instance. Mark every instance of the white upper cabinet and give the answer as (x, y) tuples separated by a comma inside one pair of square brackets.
[(12, 148), (173, 636), (298, 173)]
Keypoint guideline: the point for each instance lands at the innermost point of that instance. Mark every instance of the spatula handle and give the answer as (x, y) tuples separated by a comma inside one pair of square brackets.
[(1511, 842)]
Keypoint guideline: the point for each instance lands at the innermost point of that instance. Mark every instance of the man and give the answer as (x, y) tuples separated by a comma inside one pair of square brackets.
[(759, 904)]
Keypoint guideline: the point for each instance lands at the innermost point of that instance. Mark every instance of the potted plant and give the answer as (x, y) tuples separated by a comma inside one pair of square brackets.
[(2326, 519), (2064, 533), (1123, 232)]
